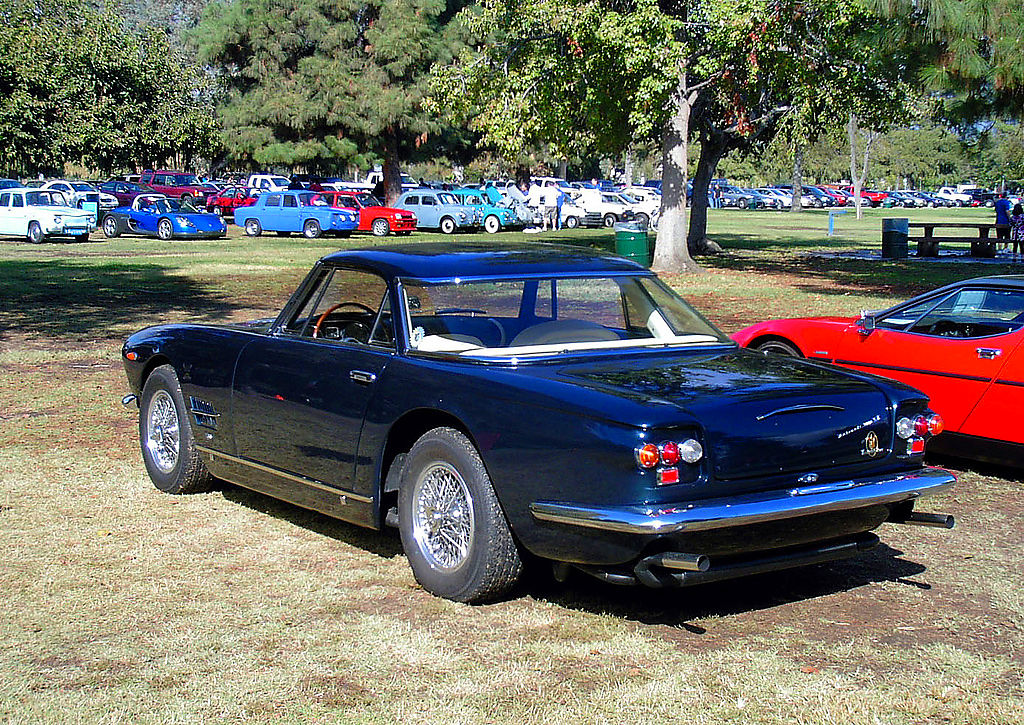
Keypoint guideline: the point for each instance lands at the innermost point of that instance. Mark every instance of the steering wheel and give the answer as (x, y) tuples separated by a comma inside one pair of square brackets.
[(502, 338), (946, 328), (332, 308)]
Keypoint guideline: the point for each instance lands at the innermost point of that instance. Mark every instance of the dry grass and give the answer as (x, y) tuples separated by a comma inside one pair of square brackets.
[(124, 605)]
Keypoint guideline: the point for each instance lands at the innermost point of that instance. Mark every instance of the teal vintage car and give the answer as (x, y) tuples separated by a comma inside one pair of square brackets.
[(496, 217)]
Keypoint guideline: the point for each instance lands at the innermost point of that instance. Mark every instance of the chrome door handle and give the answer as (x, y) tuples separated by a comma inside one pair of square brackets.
[(361, 376), (989, 353)]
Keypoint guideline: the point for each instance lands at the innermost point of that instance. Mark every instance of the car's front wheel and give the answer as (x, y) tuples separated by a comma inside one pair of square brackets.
[(571, 222), (253, 228), (453, 530), (111, 226), (492, 225), (380, 228), (777, 347), (609, 220), (165, 435), (448, 225), (165, 230), (311, 229)]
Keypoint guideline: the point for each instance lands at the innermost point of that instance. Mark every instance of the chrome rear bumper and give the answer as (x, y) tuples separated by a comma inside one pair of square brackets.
[(720, 513)]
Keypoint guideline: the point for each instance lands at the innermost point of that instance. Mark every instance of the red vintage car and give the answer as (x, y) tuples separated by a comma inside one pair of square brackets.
[(962, 344), (373, 216), (227, 200)]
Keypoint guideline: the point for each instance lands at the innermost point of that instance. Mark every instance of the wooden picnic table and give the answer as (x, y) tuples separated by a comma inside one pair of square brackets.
[(982, 245)]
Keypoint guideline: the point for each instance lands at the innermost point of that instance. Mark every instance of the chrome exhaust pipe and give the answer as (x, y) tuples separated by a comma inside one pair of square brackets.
[(680, 562), (939, 521)]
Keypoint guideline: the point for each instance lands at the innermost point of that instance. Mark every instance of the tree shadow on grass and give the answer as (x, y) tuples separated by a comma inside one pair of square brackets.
[(677, 607), (77, 299)]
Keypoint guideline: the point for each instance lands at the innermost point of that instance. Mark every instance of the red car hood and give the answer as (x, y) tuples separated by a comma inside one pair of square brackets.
[(744, 336)]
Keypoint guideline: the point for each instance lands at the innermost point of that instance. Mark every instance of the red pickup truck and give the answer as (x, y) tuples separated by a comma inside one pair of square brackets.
[(177, 184)]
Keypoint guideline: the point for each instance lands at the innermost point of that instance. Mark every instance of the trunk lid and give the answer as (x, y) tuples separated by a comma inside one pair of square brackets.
[(760, 415)]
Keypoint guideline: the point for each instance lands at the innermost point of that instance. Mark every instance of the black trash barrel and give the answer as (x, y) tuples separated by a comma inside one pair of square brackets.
[(894, 238)]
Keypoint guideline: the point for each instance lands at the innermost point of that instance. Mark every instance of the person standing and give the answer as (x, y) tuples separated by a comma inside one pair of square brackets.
[(550, 197), (562, 198), (1002, 207), (1017, 230)]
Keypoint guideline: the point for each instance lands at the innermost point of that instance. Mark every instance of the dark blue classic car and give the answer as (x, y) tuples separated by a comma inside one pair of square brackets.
[(154, 215), (493, 402)]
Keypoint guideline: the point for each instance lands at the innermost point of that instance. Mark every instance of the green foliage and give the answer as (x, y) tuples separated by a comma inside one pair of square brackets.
[(311, 82), (75, 85)]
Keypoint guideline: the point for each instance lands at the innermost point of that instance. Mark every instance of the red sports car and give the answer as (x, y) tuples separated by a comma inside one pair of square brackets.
[(962, 344), (373, 216), (227, 200)]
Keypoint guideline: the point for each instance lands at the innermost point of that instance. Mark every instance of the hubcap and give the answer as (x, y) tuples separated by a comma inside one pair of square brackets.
[(443, 522), (162, 433)]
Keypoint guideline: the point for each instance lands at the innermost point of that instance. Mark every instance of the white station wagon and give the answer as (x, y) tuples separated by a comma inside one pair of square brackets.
[(41, 213)]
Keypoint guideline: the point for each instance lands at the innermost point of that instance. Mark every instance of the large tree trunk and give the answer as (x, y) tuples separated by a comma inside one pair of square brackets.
[(712, 149), (798, 178), (392, 170), (563, 168), (627, 166), (671, 253)]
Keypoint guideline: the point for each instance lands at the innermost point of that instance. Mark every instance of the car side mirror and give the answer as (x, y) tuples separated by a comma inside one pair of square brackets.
[(865, 324)]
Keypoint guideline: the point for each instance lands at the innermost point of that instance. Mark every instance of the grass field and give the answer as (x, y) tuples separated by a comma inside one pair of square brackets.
[(125, 605)]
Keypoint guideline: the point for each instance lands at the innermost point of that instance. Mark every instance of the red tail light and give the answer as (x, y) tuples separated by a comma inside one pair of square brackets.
[(670, 453), (936, 424)]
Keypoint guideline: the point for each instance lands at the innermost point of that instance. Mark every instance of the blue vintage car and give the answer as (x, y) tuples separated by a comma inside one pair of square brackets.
[(154, 215), (496, 217), (440, 210), (532, 399), (286, 212)]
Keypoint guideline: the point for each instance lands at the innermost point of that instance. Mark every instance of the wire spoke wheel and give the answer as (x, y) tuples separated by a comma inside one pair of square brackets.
[(443, 520), (162, 433)]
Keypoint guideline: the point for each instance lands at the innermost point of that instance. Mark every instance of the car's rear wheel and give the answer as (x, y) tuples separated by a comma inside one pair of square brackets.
[(453, 530), (741, 203), (165, 230), (643, 220), (448, 225), (35, 233), (571, 222), (777, 347), (311, 229), (492, 225), (253, 228), (165, 435), (111, 226), (380, 227), (609, 220)]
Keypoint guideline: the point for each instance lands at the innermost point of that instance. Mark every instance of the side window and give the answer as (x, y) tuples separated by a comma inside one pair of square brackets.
[(412, 201), (973, 313), (274, 200), (290, 201), (429, 201), (907, 316), (5, 199), (18, 200), (346, 306), (594, 300)]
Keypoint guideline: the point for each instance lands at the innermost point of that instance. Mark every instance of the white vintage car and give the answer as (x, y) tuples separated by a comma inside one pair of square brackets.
[(40, 213)]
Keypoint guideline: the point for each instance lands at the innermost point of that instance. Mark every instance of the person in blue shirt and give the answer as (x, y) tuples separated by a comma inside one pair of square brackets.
[(1002, 207)]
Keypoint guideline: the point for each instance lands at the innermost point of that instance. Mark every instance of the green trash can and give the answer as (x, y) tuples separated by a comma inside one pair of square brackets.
[(631, 243)]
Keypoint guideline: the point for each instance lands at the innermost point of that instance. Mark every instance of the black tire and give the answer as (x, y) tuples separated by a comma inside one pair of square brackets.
[(165, 230), (775, 346), (186, 198), (643, 220), (380, 227), (571, 222), (253, 228), (165, 436), (448, 225), (609, 220), (444, 467), (112, 226), (35, 233), (492, 225), (741, 203), (311, 229)]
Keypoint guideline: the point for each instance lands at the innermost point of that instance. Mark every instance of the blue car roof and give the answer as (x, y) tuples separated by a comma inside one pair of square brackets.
[(444, 260)]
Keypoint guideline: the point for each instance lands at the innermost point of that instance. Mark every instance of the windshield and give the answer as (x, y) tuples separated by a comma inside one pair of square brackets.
[(82, 186), (448, 199), (522, 317), (312, 199), (45, 198)]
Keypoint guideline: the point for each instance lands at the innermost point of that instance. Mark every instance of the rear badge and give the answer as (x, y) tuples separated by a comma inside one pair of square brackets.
[(808, 478), (871, 447)]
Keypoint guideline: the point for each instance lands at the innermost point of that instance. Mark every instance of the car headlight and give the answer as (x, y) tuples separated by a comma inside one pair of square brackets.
[(462, 215), (185, 222)]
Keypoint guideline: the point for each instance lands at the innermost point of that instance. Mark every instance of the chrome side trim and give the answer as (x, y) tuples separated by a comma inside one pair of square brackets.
[(724, 512), (289, 476), (798, 409)]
